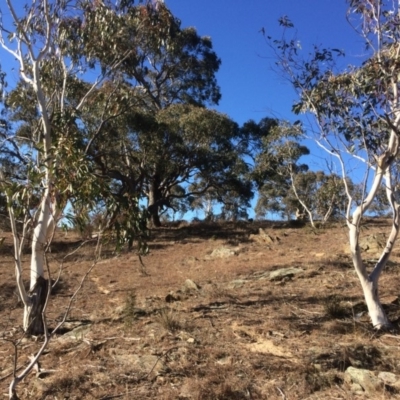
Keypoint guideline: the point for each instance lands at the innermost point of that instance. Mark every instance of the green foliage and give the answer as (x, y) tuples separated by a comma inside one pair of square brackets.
[(166, 63), (282, 180), (355, 108), (172, 155), (354, 103), (52, 143), (155, 133), (276, 163), (324, 194)]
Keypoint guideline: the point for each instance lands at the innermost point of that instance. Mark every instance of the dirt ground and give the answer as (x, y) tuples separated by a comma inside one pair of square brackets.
[(205, 319)]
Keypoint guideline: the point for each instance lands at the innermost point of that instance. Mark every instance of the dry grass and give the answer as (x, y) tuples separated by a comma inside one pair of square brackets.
[(169, 320), (129, 311), (240, 336), (334, 307)]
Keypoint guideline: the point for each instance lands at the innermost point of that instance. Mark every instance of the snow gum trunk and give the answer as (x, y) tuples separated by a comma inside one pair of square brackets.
[(33, 323), (376, 312)]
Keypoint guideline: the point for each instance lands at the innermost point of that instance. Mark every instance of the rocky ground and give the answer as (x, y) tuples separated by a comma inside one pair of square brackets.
[(220, 311)]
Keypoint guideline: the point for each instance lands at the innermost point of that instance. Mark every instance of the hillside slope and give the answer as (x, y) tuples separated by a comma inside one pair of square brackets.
[(220, 311)]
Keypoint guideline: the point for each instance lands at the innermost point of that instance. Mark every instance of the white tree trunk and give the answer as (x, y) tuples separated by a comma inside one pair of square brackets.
[(370, 283), (32, 322), (39, 239), (376, 312)]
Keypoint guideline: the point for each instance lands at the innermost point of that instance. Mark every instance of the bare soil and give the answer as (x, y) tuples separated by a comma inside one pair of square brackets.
[(228, 333)]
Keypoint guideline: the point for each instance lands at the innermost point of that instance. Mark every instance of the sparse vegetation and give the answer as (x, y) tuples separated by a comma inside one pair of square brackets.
[(239, 336), (129, 312), (115, 155), (334, 307), (169, 319)]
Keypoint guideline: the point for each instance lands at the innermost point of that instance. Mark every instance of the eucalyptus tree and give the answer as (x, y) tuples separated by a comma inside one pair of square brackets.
[(357, 111), (322, 194), (326, 194), (163, 62), (230, 195), (195, 148), (160, 144), (185, 146), (59, 49), (276, 165), (317, 194), (206, 203), (61, 68)]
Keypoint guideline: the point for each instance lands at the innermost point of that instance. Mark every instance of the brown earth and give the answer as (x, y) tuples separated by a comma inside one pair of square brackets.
[(204, 320)]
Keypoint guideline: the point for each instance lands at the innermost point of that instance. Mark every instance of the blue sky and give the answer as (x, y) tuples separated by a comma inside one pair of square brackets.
[(250, 88)]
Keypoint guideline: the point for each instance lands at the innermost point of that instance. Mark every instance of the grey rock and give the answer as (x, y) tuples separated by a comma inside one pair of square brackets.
[(282, 273), (144, 364), (78, 333), (373, 243), (363, 377), (390, 379), (190, 285), (259, 275), (356, 388), (237, 283), (223, 252), (263, 237)]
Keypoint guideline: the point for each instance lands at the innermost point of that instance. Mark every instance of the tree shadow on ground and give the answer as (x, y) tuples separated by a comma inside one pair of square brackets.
[(8, 296)]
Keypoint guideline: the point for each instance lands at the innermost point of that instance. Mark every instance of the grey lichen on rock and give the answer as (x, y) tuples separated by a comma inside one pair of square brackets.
[(369, 382), (282, 273)]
